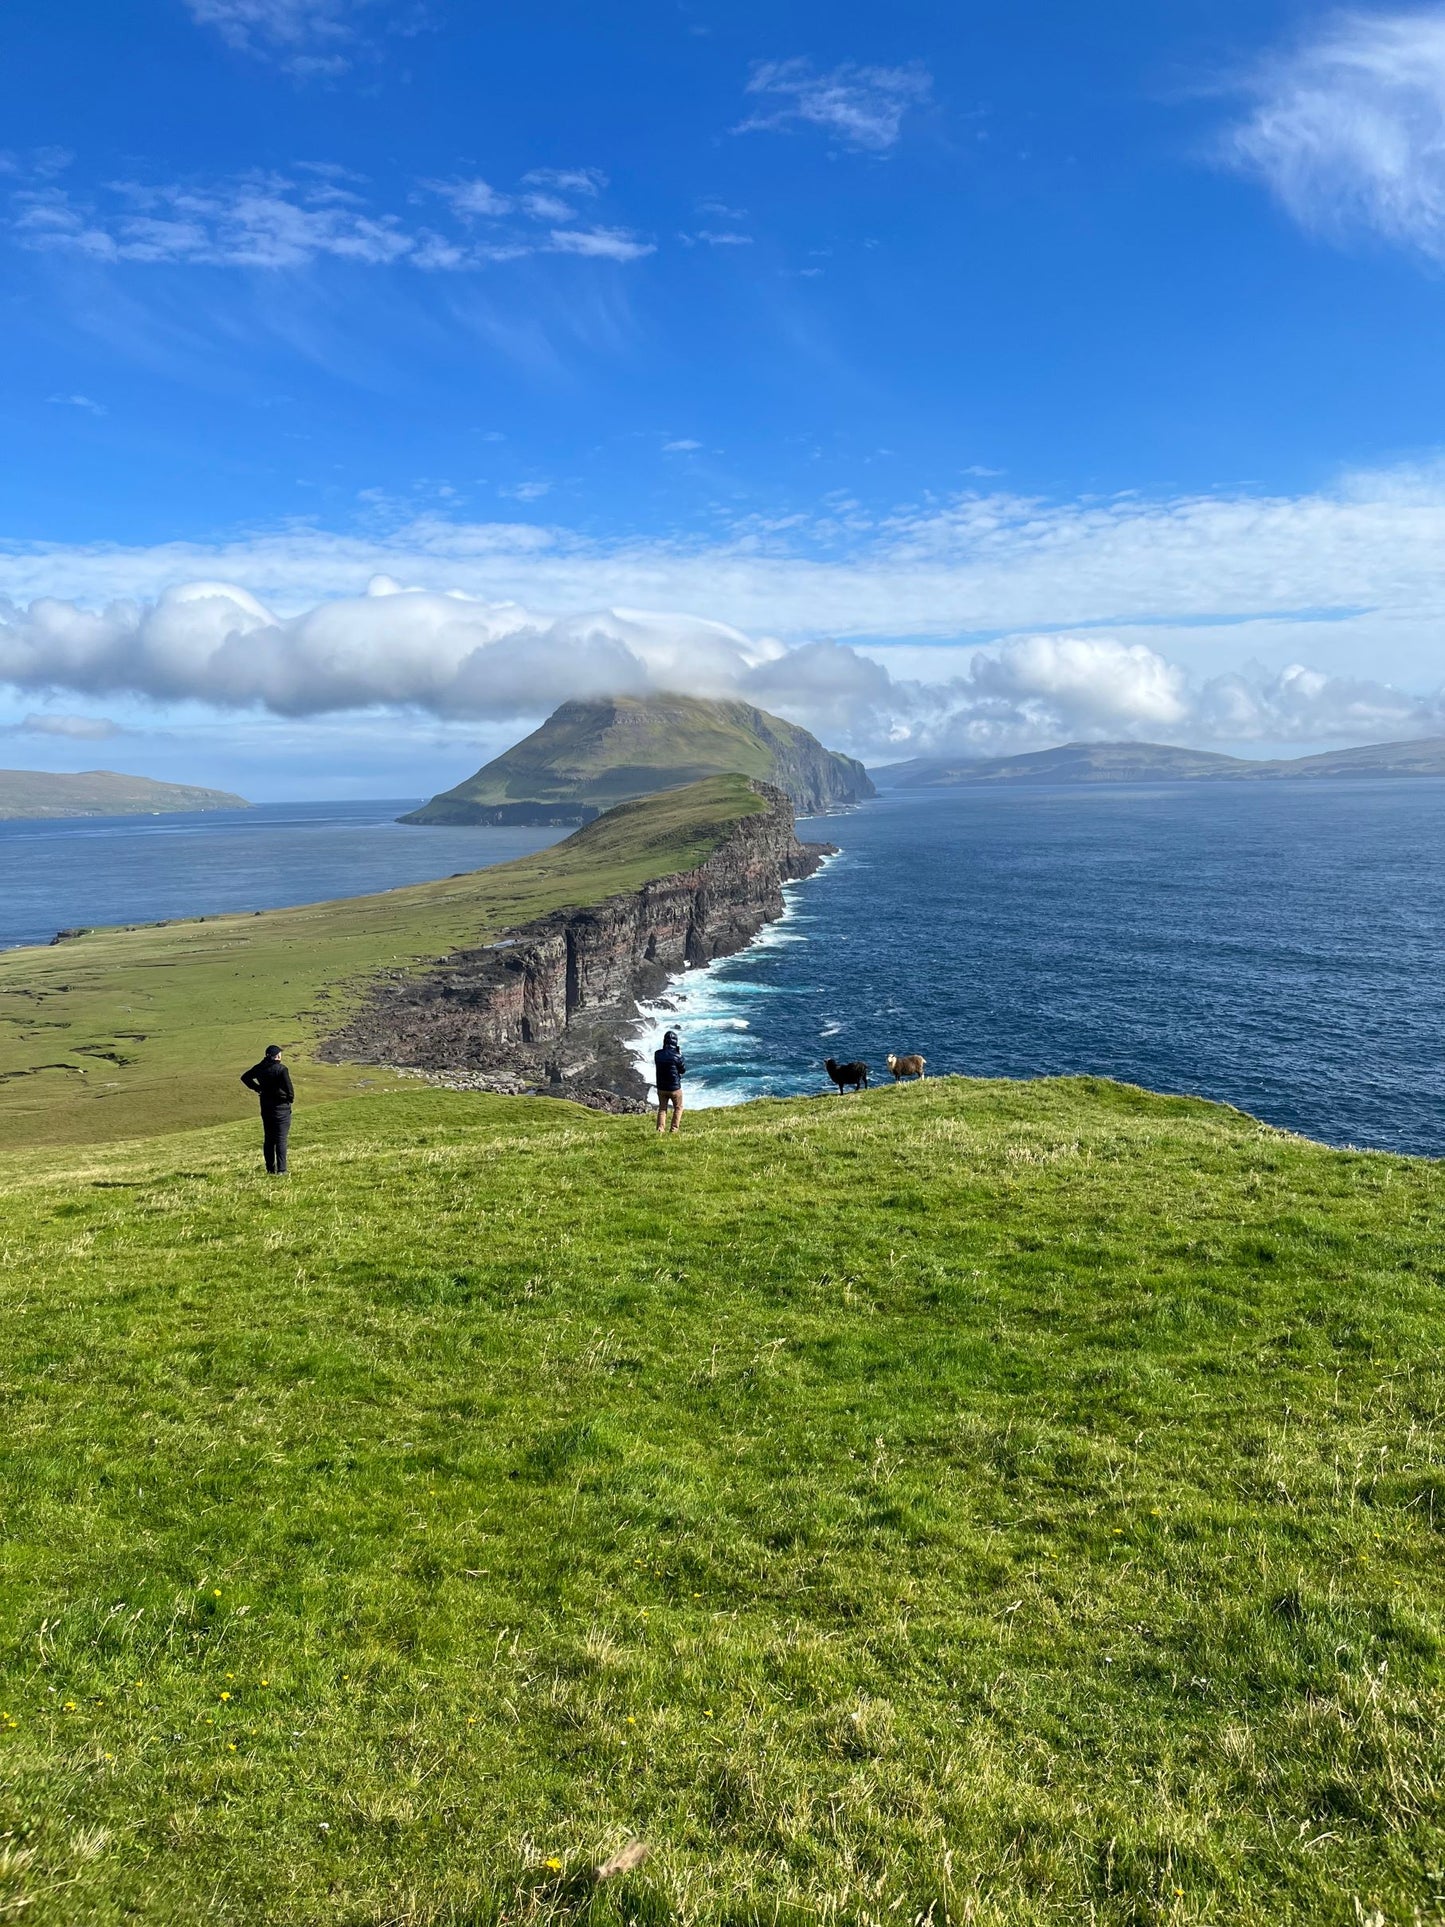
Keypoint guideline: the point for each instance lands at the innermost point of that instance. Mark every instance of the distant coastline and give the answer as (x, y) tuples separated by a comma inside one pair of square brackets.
[(1164, 763), (31, 795)]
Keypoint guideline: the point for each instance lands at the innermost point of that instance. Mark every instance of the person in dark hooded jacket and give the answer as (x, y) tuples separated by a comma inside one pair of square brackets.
[(669, 1071), (271, 1081)]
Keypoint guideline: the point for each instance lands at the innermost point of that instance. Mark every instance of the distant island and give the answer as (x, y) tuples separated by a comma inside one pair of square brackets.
[(34, 793), (1163, 763), (589, 755)]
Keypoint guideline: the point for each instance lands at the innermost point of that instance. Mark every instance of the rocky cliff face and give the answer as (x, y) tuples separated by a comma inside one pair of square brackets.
[(547, 1005)]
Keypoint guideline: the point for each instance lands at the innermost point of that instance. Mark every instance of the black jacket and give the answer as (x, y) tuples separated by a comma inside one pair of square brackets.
[(271, 1082), (670, 1068)]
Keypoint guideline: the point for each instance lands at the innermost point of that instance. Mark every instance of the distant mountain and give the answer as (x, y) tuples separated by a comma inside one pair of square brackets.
[(1423, 758), (589, 755), (1163, 763), (101, 792), (1071, 763)]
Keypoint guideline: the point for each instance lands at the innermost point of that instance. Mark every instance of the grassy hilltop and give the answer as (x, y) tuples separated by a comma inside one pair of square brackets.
[(589, 755), (121, 1033), (970, 1502)]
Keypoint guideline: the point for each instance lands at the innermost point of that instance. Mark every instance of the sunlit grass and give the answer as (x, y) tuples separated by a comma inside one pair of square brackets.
[(985, 1502)]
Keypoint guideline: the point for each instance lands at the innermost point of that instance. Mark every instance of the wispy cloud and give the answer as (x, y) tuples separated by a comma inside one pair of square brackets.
[(473, 198), (600, 243), (683, 447), (862, 107), (568, 180), (79, 401), (1347, 128), (79, 729), (1197, 619), (309, 37), (279, 221)]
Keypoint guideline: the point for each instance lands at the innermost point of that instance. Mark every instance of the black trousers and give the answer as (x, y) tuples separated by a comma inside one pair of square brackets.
[(276, 1128)]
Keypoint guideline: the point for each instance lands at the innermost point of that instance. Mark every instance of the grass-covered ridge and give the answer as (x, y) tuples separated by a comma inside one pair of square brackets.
[(974, 1502), (590, 754), (123, 1033)]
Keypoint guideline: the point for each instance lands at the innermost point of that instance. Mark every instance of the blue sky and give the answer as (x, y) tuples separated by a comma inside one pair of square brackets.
[(949, 378)]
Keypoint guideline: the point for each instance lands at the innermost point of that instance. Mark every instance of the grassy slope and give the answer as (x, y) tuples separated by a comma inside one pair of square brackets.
[(101, 792), (162, 1020), (1003, 1503), (594, 752)]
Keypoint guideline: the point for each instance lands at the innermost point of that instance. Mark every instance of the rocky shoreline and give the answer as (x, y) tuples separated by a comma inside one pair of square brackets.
[(545, 1009)]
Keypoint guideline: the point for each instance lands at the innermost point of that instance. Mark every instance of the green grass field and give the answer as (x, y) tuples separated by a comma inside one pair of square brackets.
[(970, 1502), (124, 1033)]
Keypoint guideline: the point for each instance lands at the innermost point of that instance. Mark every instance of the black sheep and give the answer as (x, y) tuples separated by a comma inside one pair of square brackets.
[(844, 1075)]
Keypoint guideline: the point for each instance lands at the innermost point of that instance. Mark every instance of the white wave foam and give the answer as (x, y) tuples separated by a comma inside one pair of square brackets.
[(697, 1000)]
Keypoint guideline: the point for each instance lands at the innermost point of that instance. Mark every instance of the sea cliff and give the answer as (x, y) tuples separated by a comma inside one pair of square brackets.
[(547, 1005)]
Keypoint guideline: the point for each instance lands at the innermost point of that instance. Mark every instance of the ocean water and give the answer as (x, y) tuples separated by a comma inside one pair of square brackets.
[(1277, 946), (127, 869)]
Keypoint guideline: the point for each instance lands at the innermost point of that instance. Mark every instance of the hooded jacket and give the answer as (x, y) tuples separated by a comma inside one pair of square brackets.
[(271, 1081), (670, 1069)]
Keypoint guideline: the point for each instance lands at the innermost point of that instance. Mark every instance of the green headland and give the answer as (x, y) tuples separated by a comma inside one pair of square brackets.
[(969, 1502), (589, 755), (102, 792), (123, 1033)]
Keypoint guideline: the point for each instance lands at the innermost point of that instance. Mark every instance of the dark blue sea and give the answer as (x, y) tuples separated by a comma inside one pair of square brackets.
[(1279, 946)]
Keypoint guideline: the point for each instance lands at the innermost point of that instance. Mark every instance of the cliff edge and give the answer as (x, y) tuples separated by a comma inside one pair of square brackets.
[(547, 1006)]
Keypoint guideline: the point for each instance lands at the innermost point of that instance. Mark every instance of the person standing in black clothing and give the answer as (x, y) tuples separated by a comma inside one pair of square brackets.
[(271, 1082), (669, 1071)]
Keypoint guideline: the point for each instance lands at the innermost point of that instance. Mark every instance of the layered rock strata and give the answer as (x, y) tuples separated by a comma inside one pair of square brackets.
[(547, 1006)]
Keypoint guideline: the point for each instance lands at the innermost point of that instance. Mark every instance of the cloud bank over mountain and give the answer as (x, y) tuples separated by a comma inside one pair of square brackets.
[(455, 657)]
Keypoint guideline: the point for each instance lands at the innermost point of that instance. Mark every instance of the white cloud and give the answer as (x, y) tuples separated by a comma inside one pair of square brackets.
[(79, 401), (600, 243), (452, 657), (310, 37), (527, 491), (863, 107), (548, 207), (568, 180), (683, 447), (982, 623), (214, 643), (474, 197), (1348, 128), (276, 221), (1359, 568), (81, 729)]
